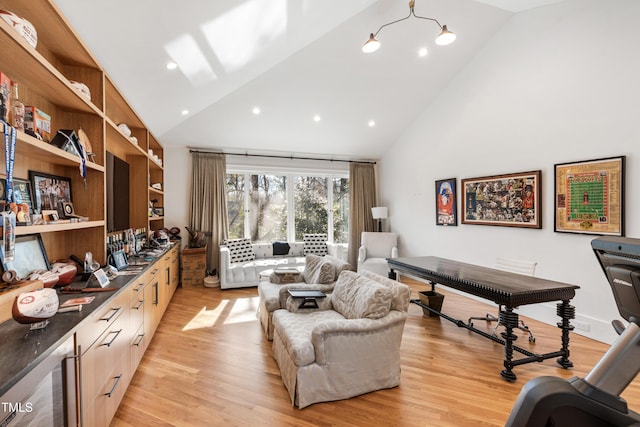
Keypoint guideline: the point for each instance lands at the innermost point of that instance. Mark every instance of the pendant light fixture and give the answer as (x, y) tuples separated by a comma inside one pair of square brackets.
[(444, 38)]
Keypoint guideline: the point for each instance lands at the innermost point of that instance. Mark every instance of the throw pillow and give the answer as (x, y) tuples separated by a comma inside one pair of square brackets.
[(240, 250), (339, 264), (318, 270), (401, 293), (357, 297), (281, 248), (315, 244)]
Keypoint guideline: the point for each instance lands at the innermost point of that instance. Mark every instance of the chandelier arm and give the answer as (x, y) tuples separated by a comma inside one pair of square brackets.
[(390, 23), (424, 17)]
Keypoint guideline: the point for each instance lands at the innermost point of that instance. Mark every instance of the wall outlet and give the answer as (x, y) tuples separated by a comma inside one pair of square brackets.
[(583, 326)]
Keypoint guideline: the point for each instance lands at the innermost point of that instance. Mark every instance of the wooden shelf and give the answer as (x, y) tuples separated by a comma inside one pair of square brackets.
[(158, 192), (33, 148), (61, 226), (156, 218), (32, 70)]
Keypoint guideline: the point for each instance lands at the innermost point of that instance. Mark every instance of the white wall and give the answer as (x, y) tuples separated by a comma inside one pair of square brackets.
[(177, 189), (556, 84)]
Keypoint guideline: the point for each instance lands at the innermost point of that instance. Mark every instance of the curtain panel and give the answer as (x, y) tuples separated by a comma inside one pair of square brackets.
[(208, 211), (362, 197)]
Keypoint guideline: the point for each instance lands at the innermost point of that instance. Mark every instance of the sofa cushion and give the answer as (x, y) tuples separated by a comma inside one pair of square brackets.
[(355, 296), (240, 250), (401, 293), (315, 244), (281, 248), (318, 269)]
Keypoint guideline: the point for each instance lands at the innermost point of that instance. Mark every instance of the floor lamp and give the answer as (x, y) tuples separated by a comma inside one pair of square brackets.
[(379, 213)]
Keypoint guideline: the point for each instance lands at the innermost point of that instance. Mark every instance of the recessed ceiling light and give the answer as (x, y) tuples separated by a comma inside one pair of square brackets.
[(256, 110), (316, 118), (171, 65), (185, 112), (372, 123), (422, 52)]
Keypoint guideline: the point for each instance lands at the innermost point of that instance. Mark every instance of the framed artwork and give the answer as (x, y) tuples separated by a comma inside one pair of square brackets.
[(48, 190), (589, 197), (29, 256), (446, 206), (511, 200), (22, 192)]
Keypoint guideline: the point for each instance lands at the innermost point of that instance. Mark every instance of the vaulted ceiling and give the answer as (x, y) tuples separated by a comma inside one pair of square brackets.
[(292, 59)]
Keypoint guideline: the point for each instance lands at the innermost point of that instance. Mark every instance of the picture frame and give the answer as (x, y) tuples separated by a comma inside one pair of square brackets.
[(30, 256), (48, 190), (589, 196), (446, 202), (22, 192), (508, 200), (119, 260)]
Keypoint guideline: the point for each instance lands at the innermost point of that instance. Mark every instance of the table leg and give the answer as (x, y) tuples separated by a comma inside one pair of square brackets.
[(509, 319), (567, 312)]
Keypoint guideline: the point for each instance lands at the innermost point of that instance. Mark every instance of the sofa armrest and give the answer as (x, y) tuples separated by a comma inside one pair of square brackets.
[(362, 254), (225, 263), (333, 339), (394, 252)]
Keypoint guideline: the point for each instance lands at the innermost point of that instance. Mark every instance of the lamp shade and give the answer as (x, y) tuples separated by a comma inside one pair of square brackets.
[(379, 212), (445, 37), (371, 45)]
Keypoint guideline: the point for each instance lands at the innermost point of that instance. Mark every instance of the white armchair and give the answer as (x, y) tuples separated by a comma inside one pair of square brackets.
[(374, 249)]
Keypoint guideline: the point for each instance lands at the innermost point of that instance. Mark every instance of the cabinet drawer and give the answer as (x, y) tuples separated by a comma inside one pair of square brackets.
[(136, 306), (108, 349), (103, 404), (139, 344), (100, 321)]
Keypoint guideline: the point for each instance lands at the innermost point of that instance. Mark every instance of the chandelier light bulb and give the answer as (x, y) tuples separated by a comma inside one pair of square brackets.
[(371, 45)]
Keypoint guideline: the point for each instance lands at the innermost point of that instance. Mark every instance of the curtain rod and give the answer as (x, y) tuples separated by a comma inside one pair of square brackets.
[(274, 156)]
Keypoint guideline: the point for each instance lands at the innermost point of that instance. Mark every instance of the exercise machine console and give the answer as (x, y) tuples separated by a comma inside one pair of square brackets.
[(595, 400)]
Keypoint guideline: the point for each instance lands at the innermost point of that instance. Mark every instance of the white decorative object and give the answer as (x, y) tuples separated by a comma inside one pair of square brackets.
[(82, 88), (23, 27), (124, 129)]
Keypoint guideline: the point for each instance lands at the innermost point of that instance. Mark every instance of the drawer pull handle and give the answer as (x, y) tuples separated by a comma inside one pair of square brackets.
[(139, 288), (115, 311), (139, 341), (108, 344), (154, 271), (139, 306), (113, 389)]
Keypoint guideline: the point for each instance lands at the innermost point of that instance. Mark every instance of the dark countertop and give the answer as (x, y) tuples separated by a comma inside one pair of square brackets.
[(21, 349)]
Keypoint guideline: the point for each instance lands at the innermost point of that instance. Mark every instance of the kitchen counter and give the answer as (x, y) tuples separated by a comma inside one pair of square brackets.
[(21, 349)]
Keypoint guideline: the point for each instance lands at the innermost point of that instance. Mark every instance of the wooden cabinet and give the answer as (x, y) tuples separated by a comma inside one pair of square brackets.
[(45, 76), (103, 342)]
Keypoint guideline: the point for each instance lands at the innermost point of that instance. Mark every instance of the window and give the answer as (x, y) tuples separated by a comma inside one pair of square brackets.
[(270, 207)]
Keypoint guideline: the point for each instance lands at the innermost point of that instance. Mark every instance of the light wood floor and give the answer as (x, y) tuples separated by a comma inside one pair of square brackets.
[(209, 364)]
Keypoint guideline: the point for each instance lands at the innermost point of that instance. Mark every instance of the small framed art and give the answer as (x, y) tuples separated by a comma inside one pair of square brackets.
[(589, 197), (446, 202), (48, 190), (511, 200)]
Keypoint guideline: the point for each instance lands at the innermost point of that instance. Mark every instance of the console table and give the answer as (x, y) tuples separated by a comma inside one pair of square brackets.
[(508, 290)]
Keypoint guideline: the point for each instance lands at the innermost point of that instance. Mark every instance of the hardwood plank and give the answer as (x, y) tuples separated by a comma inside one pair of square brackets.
[(209, 364)]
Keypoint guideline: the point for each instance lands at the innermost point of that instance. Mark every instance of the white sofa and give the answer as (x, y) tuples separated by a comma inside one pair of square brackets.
[(347, 347), (247, 273)]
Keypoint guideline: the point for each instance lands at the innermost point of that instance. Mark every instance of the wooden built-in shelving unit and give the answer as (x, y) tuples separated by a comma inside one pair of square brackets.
[(44, 76)]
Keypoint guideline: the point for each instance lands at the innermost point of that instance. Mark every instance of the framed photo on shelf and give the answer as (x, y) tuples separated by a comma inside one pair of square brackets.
[(589, 197), (446, 205), (48, 190), (510, 200), (22, 192)]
